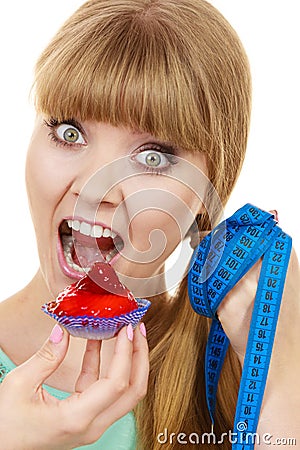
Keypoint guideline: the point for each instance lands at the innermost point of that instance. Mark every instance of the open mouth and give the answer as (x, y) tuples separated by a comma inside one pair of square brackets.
[(83, 244)]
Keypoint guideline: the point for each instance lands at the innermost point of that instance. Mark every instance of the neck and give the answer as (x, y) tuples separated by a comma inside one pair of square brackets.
[(36, 292), (22, 317)]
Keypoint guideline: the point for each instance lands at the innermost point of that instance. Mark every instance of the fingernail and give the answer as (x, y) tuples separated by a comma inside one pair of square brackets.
[(56, 335), (143, 329), (130, 332)]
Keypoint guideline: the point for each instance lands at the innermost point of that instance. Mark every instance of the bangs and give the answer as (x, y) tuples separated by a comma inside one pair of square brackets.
[(127, 70)]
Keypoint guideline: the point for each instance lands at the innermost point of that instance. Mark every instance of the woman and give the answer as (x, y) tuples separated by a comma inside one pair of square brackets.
[(155, 85)]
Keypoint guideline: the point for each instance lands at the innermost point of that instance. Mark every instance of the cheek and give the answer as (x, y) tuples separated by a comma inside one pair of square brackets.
[(161, 216), (45, 178), (36, 186), (155, 229)]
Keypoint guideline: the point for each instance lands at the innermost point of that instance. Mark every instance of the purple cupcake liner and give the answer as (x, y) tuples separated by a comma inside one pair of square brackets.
[(99, 328)]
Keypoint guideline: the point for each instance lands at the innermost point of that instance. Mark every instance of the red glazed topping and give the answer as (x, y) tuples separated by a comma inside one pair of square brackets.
[(98, 294)]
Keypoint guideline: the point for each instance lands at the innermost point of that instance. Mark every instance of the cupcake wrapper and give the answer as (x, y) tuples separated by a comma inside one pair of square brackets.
[(100, 328)]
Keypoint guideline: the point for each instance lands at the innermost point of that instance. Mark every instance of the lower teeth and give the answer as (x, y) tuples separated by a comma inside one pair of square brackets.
[(68, 244), (111, 254)]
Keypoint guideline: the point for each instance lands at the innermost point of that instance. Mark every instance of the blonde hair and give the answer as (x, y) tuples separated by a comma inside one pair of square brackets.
[(178, 71)]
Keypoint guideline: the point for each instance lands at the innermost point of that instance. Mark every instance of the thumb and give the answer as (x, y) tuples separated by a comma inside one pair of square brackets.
[(46, 360)]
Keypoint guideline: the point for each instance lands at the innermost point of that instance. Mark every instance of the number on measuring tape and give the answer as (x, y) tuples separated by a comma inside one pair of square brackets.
[(217, 265)]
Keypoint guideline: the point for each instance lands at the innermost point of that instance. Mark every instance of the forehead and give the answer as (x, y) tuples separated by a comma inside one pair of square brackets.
[(124, 73)]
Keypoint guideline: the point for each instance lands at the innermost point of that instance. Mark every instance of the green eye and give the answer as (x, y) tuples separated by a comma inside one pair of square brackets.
[(153, 159), (69, 134)]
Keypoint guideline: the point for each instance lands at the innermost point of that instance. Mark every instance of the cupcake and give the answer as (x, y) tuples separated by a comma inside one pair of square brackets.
[(97, 306)]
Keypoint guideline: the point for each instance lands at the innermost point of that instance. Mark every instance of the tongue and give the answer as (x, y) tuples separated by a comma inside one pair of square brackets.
[(104, 243), (86, 256), (88, 250)]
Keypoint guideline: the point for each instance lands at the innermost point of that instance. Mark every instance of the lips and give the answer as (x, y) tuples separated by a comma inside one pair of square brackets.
[(82, 244)]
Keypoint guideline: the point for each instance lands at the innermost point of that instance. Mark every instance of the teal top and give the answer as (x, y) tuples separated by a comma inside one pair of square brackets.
[(119, 436)]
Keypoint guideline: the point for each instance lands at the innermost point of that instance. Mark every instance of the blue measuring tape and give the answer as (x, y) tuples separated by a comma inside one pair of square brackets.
[(221, 259)]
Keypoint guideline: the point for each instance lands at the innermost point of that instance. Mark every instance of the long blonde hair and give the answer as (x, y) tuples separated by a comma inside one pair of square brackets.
[(177, 70)]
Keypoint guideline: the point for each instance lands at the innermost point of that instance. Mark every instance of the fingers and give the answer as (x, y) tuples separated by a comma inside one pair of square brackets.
[(90, 366), (123, 350), (112, 397), (138, 383), (43, 363), (275, 214), (140, 364), (100, 395)]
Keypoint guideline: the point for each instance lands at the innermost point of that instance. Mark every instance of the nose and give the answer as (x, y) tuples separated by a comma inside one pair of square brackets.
[(99, 183)]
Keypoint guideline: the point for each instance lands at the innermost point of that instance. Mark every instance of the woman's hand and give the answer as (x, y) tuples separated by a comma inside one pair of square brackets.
[(236, 310), (280, 409), (30, 418)]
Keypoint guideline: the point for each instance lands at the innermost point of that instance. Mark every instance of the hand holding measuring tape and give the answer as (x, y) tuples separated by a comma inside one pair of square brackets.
[(220, 261)]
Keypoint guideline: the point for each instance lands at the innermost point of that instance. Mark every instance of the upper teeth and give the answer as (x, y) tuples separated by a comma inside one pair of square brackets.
[(87, 229)]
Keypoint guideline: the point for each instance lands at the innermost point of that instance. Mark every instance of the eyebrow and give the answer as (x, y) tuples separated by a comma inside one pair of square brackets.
[(168, 144)]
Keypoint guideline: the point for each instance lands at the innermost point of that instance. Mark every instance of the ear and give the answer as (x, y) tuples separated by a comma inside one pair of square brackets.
[(193, 232)]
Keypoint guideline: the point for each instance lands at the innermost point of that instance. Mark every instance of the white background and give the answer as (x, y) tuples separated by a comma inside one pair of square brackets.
[(270, 32)]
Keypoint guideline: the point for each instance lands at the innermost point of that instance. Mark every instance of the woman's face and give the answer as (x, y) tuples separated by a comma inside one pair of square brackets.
[(102, 192)]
